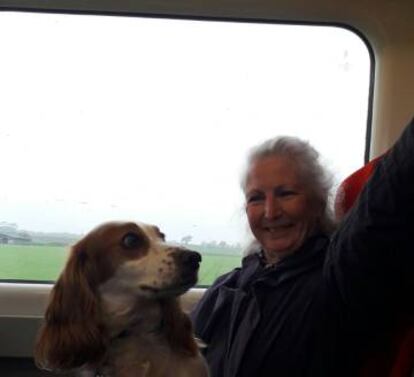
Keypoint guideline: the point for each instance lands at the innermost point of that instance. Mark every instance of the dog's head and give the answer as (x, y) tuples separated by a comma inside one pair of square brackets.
[(122, 258), (134, 258)]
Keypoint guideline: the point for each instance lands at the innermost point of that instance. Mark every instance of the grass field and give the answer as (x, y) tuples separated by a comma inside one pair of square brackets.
[(42, 263)]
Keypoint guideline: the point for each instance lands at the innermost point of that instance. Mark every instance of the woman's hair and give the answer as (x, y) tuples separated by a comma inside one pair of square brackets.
[(317, 180)]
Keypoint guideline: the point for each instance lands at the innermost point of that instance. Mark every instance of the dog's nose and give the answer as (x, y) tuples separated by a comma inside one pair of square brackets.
[(189, 258)]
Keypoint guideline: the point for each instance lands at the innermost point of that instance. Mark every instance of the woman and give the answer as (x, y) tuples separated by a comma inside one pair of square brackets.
[(310, 301)]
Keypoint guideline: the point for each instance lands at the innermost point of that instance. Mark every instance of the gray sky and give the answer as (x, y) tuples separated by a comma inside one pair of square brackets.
[(107, 118)]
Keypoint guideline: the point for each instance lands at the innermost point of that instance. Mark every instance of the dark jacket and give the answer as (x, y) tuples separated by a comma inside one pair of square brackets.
[(326, 308)]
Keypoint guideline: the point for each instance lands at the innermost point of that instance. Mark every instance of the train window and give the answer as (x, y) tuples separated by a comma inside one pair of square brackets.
[(109, 117)]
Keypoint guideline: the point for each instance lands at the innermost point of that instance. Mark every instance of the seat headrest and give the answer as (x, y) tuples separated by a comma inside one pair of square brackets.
[(348, 191)]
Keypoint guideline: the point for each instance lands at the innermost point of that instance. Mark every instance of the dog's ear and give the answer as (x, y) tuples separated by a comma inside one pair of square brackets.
[(178, 328), (72, 334)]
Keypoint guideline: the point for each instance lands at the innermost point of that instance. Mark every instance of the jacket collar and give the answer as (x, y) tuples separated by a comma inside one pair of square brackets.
[(308, 257)]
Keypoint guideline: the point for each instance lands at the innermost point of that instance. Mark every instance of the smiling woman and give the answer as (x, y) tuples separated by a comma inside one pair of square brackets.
[(287, 195), (280, 211), (149, 119), (307, 300)]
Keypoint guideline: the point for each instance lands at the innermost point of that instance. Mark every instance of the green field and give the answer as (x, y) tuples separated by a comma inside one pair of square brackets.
[(44, 263)]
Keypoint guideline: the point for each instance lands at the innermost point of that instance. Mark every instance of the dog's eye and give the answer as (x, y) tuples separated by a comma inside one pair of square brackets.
[(131, 240)]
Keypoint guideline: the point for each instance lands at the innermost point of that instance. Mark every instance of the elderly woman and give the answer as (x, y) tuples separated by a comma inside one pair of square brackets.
[(310, 300)]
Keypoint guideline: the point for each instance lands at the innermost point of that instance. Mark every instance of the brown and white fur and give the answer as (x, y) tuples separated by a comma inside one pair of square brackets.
[(114, 308)]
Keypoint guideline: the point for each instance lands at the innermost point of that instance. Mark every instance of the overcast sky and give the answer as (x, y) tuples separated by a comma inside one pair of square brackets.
[(107, 118)]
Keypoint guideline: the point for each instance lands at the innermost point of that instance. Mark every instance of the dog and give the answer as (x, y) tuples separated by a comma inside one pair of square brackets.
[(114, 310)]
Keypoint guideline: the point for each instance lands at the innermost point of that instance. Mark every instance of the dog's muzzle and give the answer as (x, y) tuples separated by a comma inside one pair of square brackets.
[(188, 263), (188, 259)]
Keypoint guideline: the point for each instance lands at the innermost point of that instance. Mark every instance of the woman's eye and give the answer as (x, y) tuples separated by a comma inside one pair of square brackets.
[(131, 240), (286, 193), (254, 198)]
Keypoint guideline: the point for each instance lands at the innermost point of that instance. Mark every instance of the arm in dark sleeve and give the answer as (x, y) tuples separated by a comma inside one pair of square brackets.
[(372, 251)]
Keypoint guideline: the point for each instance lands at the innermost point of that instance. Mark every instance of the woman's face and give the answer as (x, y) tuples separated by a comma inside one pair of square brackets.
[(279, 208)]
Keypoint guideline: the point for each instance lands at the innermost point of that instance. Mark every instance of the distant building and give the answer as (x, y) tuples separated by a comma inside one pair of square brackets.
[(6, 239)]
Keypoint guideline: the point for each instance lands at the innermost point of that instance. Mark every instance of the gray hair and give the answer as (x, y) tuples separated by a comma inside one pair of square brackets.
[(315, 177)]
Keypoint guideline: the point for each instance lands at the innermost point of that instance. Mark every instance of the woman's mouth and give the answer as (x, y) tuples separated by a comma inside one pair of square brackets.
[(278, 228)]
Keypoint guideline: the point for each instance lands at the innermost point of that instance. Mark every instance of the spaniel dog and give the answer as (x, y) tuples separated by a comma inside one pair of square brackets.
[(114, 309)]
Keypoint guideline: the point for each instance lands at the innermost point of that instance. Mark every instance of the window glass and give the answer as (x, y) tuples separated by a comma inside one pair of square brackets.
[(110, 118)]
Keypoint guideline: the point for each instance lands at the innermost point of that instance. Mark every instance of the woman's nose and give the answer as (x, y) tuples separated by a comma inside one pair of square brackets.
[(272, 208)]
